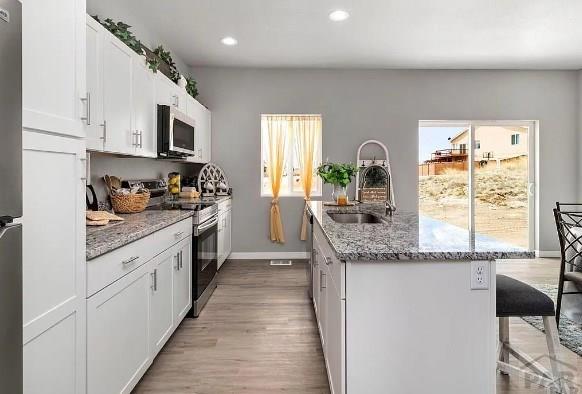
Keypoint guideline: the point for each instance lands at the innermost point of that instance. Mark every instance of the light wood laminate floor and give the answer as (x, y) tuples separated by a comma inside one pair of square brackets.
[(258, 335)]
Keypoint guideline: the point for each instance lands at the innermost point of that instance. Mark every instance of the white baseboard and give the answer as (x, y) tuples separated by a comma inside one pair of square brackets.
[(268, 255), (548, 253)]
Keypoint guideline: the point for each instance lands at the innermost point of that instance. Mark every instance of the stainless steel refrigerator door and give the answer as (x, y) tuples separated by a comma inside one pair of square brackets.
[(11, 309), (10, 108)]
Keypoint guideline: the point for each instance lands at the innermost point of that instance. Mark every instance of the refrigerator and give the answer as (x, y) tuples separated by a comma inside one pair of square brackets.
[(10, 196)]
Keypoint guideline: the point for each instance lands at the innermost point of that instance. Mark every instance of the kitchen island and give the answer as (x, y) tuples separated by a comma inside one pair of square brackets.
[(406, 304)]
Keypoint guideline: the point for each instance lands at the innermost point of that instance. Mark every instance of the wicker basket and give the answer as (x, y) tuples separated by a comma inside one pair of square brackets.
[(130, 203)]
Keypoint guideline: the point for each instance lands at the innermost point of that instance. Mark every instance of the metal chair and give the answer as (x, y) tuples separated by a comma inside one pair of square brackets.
[(569, 226)]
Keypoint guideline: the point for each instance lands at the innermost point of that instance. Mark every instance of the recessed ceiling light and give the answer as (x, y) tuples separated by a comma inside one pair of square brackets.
[(230, 41), (339, 15)]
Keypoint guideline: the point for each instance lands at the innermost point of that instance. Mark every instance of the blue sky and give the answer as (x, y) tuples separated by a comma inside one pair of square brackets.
[(433, 138)]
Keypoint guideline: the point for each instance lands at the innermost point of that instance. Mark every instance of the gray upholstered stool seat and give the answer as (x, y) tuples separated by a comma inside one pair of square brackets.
[(515, 298)]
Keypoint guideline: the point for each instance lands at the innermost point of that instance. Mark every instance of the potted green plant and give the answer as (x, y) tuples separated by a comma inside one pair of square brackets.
[(340, 175)]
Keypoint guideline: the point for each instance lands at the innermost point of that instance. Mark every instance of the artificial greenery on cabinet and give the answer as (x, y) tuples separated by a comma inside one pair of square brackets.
[(121, 31)]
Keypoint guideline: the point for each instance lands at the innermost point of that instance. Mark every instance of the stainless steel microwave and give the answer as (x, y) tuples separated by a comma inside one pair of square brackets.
[(176, 132)]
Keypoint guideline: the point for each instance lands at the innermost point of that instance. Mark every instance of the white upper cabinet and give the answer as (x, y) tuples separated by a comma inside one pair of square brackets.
[(53, 64), (168, 93), (95, 127), (122, 98), (202, 136), (144, 109), (117, 73)]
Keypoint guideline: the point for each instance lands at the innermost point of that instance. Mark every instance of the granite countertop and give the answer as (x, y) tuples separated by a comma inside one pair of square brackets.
[(406, 236), (103, 239)]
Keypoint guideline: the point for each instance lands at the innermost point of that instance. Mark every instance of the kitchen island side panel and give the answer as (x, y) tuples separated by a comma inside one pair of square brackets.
[(414, 327)]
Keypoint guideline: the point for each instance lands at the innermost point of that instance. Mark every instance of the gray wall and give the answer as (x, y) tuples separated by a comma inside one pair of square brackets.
[(132, 168), (386, 105)]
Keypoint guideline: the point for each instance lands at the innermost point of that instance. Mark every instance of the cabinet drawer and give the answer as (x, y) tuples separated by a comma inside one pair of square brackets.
[(335, 267), (173, 234), (108, 268)]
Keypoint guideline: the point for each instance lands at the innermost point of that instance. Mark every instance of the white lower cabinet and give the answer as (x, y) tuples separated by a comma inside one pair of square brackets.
[(182, 272), (330, 309), (117, 334), (161, 294), (224, 230), (130, 318)]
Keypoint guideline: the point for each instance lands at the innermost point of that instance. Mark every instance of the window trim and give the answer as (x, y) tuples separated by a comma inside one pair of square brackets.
[(289, 164)]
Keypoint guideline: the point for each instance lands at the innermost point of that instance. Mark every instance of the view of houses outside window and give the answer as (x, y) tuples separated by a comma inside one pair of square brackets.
[(501, 179)]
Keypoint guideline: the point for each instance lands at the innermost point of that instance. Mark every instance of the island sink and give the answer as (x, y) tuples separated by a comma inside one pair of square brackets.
[(346, 217)]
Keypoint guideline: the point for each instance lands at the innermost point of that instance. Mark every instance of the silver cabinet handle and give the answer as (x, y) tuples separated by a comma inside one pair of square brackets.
[(181, 259), (104, 125), (87, 101), (155, 279), (130, 260), (328, 260), (178, 234), (322, 284), (141, 139), (134, 139)]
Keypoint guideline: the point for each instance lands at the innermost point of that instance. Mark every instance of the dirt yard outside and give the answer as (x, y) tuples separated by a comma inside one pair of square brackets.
[(501, 201)]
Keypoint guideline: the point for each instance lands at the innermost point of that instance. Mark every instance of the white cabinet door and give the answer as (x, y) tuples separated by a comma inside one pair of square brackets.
[(161, 294), (206, 137), (94, 123), (322, 321), (228, 234), (117, 70), (117, 334), (220, 239), (53, 65), (168, 93), (53, 263), (316, 276), (144, 109), (182, 280), (202, 137), (335, 337)]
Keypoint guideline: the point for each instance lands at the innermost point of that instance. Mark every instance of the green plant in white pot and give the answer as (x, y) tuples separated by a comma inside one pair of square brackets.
[(340, 175)]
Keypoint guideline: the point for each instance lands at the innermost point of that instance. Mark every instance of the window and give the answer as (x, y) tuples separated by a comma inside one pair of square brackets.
[(515, 139), (463, 148), (477, 144), (291, 184)]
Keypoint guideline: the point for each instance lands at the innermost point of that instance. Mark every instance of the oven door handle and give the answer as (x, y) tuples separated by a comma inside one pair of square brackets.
[(205, 226)]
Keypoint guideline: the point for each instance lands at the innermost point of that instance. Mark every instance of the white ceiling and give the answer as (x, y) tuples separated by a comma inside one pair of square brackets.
[(516, 34)]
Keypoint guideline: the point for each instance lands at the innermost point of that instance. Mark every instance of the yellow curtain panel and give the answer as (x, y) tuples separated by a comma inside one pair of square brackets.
[(307, 131), (276, 134)]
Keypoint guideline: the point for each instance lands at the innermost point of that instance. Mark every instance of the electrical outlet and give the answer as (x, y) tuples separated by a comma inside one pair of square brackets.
[(479, 275)]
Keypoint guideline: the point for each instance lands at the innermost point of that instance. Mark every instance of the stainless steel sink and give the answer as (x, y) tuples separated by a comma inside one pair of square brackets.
[(354, 217)]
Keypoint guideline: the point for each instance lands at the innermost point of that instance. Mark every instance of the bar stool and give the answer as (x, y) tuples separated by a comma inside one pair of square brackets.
[(517, 299)]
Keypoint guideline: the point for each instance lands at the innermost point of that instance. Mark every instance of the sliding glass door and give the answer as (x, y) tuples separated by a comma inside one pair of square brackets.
[(480, 177)]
